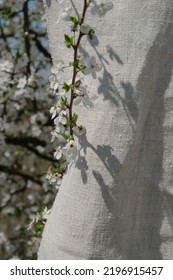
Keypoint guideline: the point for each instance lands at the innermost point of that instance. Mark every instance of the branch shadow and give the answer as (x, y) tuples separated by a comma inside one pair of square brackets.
[(48, 3), (168, 209), (107, 86), (140, 200), (107, 195), (104, 153), (138, 209), (113, 55), (128, 102)]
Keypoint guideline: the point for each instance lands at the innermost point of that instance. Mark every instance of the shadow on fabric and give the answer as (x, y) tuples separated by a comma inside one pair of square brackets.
[(140, 200)]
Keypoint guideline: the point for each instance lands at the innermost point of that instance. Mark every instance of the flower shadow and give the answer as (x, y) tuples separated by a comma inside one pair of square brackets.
[(107, 86), (140, 198), (138, 208), (109, 160), (48, 3)]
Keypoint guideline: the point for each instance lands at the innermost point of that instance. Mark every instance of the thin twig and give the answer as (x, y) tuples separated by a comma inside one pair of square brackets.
[(75, 47)]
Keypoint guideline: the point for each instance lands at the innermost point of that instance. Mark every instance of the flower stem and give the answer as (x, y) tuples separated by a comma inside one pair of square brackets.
[(75, 48)]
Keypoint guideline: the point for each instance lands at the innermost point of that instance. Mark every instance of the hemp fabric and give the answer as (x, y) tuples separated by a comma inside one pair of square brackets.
[(116, 202)]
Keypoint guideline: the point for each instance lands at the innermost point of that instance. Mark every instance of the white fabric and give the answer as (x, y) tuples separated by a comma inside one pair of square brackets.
[(117, 202)]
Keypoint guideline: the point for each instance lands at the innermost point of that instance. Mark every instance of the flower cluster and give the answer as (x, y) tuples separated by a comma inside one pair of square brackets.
[(39, 220), (73, 92), (25, 125)]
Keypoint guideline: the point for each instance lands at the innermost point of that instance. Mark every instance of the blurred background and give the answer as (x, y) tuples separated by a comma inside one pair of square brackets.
[(26, 151)]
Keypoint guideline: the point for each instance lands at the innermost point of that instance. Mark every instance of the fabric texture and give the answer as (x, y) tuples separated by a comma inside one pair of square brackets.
[(116, 202)]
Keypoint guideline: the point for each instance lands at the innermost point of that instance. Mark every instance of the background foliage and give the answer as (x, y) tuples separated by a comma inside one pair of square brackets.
[(25, 126)]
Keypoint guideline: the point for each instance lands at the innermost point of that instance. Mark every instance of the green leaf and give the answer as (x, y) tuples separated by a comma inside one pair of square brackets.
[(72, 122), (6, 13), (74, 20), (38, 229), (18, 55), (68, 41), (59, 170), (75, 23), (18, 211), (74, 64), (19, 153), (68, 137), (79, 19), (82, 68), (67, 87), (91, 33), (68, 123), (64, 102), (74, 118)]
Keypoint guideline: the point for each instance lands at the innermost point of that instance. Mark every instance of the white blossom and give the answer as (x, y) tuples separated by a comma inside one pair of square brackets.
[(31, 80), (70, 151), (79, 130), (45, 214), (54, 135), (62, 118), (20, 92), (38, 118), (58, 177), (6, 66), (92, 66), (61, 94), (36, 131), (3, 238), (3, 123), (59, 128), (35, 219), (54, 83), (50, 177), (22, 83), (5, 199), (54, 178), (5, 81), (58, 153), (83, 97), (2, 139), (14, 258), (85, 28), (59, 122), (57, 68), (54, 110)]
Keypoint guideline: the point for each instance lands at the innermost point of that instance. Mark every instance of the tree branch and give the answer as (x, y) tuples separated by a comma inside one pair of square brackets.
[(26, 37), (13, 171), (31, 149), (25, 139), (41, 48)]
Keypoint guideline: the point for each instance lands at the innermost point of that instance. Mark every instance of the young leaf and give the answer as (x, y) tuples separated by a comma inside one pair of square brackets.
[(91, 33), (67, 87), (6, 13), (74, 119), (75, 64), (68, 41), (59, 170), (74, 20)]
